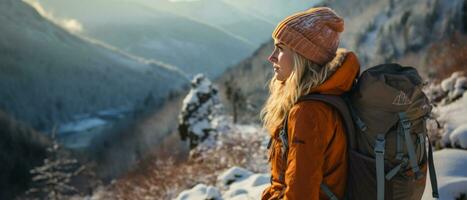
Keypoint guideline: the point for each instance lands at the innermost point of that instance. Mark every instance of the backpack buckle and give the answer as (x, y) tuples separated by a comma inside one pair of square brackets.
[(406, 124), (404, 121), (283, 138), (380, 144)]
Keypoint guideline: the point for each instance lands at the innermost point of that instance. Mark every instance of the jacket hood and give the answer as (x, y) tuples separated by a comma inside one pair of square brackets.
[(343, 69)]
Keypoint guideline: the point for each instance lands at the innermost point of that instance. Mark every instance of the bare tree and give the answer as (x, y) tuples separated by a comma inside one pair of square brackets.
[(236, 98), (52, 179)]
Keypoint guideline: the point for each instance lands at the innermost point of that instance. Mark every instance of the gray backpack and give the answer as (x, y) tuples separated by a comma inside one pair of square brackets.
[(385, 116)]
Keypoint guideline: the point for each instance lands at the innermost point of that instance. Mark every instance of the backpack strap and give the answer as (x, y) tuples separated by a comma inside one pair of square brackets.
[(396, 169), (338, 103), (380, 144), (410, 145), (342, 107), (399, 139), (431, 169), (283, 136), (269, 143), (328, 192)]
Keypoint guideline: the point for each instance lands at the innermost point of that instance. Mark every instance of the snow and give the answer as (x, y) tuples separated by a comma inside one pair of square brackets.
[(200, 192), (451, 169), (232, 175), (190, 98), (240, 184), (235, 183), (201, 85), (450, 164), (454, 117), (199, 127), (249, 188), (458, 136), (199, 111), (205, 85), (454, 85)]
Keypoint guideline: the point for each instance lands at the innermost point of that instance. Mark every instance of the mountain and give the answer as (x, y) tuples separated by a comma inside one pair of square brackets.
[(400, 31), (251, 78), (49, 76), (151, 32), (244, 25), (430, 35), (252, 20), (271, 10)]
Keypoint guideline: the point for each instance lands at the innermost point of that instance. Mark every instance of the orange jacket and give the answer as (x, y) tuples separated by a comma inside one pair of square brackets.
[(317, 144)]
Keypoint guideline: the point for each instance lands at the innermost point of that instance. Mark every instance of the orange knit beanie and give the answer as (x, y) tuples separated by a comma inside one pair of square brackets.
[(313, 33)]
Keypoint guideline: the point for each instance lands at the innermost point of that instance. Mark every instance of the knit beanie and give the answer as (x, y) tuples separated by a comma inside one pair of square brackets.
[(313, 33)]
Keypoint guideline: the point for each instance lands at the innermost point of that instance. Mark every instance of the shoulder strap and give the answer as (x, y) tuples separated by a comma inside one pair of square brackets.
[(341, 106)]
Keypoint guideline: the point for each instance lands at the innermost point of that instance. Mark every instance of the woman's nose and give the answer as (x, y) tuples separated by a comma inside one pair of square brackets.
[(272, 58)]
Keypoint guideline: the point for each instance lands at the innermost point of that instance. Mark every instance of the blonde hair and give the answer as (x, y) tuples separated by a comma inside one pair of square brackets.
[(305, 76)]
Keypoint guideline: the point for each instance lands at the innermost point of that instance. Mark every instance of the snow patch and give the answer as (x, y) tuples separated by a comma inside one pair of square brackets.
[(458, 136), (237, 183), (249, 188), (232, 175), (450, 165), (454, 118), (200, 192), (198, 117)]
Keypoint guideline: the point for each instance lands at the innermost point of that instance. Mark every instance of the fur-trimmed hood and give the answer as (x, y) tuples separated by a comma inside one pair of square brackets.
[(343, 69)]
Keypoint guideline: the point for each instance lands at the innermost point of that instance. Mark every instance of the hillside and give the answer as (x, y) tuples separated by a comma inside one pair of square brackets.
[(389, 31), (233, 162), (239, 23), (251, 78), (49, 77), (21, 149), (153, 33), (204, 171)]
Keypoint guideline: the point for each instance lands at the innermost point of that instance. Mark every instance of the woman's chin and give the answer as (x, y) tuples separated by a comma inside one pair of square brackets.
[(280, 79)]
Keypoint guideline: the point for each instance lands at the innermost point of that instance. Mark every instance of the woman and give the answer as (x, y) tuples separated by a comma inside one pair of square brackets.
[(306, 60)]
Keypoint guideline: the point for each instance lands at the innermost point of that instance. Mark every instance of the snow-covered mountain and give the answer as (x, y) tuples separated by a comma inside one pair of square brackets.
[(399, 30), (49, 76), (378, 33)]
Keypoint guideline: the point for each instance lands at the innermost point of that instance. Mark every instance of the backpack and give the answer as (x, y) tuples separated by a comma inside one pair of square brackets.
[(385, 116)]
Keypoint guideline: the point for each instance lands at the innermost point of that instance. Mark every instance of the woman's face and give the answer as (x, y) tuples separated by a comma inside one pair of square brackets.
[(282, 60)]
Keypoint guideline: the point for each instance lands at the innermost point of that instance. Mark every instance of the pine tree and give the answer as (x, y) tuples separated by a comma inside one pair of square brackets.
[(199, 108), (52, 179)]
